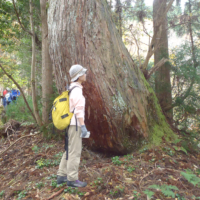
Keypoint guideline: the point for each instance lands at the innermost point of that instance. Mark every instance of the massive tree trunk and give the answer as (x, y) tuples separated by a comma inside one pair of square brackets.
[(162, 79), (121, 108), (47, 79)]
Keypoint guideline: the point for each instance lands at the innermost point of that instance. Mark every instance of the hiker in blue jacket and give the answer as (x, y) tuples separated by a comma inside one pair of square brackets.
[(14, 94)]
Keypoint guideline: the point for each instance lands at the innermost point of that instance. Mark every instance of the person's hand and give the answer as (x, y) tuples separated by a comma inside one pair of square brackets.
[(83, 131)]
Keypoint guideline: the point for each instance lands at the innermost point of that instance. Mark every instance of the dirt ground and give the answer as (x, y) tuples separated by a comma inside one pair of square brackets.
[(28, 171)]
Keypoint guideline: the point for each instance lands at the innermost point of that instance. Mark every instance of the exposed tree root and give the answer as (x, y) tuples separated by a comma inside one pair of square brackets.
[(55, 194)]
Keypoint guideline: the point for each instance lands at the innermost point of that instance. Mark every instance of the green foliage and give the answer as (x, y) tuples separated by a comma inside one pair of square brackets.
[(35, 149), (180, 197), (169, 151), (193, 197), (143, 150), (149, 193), (46, 163), (186, 83), (19, 111), (49, 162), (116, 161), (130, 169), (129, 157), (167, 190), (16, 43), (136, 195), (52, 176), (117, 191), (98, 181), (54, 183), (47, 146), (2, 193), (71, 190), (190, 177), (21, 194), (39, 185), (180, 149)]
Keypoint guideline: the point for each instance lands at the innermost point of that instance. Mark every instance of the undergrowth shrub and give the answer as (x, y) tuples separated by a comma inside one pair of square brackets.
[(18, 110)]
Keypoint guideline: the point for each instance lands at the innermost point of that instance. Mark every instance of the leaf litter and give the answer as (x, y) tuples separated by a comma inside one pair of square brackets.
[(28, 171)]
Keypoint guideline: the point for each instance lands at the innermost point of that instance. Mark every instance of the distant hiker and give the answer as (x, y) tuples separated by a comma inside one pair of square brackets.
[(68, 169), (14, 94), (18, 93), (8, 97), (4, 99)]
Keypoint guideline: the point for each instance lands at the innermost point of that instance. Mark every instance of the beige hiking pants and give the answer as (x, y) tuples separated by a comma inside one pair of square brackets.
[(70, 167)]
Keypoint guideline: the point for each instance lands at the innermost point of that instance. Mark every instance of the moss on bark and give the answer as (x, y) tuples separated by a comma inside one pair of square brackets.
[(159, 129)]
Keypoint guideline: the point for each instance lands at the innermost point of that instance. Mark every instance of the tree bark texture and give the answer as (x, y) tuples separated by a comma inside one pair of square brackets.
[(162, 80), (118, 16), (121, 108), (47, 78), (33, 66)]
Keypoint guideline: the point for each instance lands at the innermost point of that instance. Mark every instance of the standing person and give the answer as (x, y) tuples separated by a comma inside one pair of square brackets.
[(18, 93), (68, 169), (8, 97), (4, 98), (14, 94)]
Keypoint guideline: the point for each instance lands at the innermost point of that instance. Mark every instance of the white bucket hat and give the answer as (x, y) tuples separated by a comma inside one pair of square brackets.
[(76, 71)]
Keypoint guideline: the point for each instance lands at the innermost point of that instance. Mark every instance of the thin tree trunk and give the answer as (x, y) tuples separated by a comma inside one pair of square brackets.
[(121, 108), (191, 38), (162, 79), (47, 79), (35, 106)]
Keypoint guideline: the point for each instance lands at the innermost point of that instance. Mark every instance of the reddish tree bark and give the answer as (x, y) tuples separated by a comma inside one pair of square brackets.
[(121, 108)]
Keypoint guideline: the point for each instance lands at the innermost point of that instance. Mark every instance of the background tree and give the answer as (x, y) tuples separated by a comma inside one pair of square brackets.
[(185, 68), (162, 76), (47, 79), (33, 68)]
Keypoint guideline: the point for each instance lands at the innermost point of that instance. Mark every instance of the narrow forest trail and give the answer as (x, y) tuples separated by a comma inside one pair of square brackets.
[(28, 171)]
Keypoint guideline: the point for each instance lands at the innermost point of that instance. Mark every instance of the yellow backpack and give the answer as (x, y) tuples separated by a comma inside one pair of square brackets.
[(60, 111)]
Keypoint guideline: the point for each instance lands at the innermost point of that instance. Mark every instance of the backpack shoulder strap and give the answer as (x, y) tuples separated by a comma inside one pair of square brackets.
[(74, 108), (71, 89)]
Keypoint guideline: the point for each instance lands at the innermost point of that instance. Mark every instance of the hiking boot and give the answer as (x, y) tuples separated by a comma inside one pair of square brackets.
[(61, 179), (76, 183)]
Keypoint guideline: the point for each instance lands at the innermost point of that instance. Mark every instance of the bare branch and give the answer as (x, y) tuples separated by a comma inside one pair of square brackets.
[(20, 20), (138, 48), (156, 67), (152, 47), (154, 42), (16, 142), (145, 30)]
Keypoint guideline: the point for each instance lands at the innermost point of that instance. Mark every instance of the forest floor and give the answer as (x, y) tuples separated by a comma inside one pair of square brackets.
[(28, 171)]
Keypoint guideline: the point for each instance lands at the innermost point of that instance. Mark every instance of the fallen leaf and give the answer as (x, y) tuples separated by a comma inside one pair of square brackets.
[(86, 194)]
